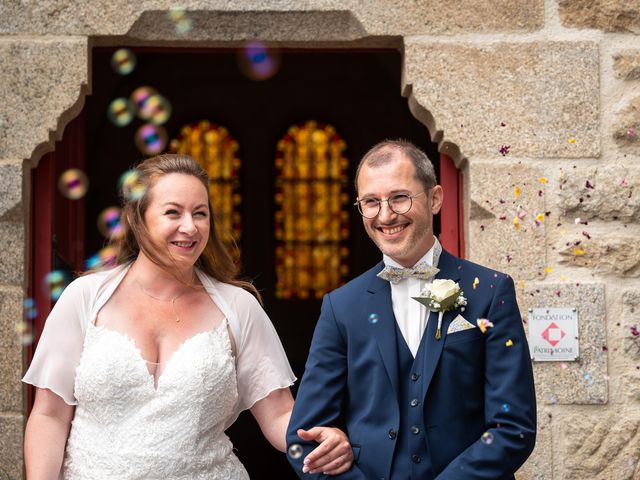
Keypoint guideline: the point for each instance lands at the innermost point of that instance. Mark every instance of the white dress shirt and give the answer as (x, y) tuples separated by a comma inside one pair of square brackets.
[(411, 315)]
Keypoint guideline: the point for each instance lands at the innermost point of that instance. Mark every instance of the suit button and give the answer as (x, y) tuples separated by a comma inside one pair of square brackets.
[(415, 430), (415, 376), (414, 402), (392, 434), (416, 458)]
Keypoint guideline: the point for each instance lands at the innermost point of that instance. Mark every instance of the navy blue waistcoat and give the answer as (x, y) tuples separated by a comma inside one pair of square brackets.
[(411, 460)]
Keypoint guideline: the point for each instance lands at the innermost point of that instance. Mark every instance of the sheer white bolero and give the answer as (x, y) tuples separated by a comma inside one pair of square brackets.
[(261, 363)]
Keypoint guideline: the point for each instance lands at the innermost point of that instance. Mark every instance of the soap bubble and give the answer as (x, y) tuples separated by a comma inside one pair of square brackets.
[(151, 139), (487, 438), (140, 96), (181, 21), (120, 112), (131, 186), (109, 222), (55, 282), (257, 61), (295, 451), (105, 258), (29, 307), (123, 61), (73, 184), (155, 109)]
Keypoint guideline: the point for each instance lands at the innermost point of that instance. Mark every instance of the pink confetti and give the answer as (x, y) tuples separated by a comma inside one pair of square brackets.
[(589, 184), (504, 149), (586, 234), (634, 331)]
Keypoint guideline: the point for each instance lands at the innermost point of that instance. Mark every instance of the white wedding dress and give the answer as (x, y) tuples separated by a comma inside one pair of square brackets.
[(127, 428), (130, 425)]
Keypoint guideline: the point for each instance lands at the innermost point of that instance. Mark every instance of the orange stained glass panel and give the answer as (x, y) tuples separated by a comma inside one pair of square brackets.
[(311, 218)]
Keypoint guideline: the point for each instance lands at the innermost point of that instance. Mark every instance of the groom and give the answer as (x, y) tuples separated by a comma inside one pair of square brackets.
[(419, 397)]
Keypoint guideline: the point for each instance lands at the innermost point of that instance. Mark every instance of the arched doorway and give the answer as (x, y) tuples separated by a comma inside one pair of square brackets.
[(355, 91)]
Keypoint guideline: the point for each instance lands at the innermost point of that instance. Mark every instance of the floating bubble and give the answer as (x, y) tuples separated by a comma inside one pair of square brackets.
[(120, 112), (373, 318), (109, 222), (151, 139), (505, 407), (487, 438), (257, 61), (55, 282), (73, 184), (181, 21), (295, 451), (105, 258), (131, 186), (155, 109), (141, 96), (25, 330), (123, 61), (29, 306)]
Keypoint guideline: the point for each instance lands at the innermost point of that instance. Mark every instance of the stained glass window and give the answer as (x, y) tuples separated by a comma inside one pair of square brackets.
[(215, 149), (312, 217)]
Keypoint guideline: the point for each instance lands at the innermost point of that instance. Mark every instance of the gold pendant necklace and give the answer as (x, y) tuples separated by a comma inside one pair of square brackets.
[(164, 300)]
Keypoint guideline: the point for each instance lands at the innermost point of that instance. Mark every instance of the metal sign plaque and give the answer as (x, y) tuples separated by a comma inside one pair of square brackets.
[(553, 334)]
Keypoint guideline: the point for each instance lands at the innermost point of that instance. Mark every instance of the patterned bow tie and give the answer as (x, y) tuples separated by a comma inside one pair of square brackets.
[(422, 270)]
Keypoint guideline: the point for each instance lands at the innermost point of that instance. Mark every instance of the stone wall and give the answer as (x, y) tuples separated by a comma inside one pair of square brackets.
[(538, 102)]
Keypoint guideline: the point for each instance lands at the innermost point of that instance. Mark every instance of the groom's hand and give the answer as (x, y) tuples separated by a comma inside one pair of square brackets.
[(332, 456)]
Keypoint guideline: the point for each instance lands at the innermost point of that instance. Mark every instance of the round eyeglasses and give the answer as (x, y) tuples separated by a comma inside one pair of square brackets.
[(399, 203)]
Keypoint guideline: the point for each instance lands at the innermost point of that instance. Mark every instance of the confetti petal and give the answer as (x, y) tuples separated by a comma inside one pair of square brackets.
[(484, 324), (509, 343), (476, 281)]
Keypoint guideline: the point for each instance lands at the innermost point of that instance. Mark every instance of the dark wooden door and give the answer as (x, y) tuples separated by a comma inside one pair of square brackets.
[(358, 92)]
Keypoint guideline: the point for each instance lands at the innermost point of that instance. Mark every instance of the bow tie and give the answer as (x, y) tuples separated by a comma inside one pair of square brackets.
[(422, 270)]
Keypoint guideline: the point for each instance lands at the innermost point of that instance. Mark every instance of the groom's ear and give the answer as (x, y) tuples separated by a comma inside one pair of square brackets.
[(437, 197)]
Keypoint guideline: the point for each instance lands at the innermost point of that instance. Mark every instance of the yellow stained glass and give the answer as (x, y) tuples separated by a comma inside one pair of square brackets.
[(311, 218)]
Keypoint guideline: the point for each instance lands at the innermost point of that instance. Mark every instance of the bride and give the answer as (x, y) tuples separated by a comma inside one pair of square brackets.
[(141, 368)]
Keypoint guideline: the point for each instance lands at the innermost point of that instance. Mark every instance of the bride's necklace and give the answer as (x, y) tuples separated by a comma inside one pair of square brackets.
[(164, 300)]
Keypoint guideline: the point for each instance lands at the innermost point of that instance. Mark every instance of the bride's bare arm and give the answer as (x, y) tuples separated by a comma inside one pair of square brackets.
[(333, 454), (46, 435)]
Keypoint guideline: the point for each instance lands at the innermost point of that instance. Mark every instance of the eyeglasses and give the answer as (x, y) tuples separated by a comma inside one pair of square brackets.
[(399, 204)]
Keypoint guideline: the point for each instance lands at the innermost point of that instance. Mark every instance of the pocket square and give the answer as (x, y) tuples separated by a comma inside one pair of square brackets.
[(459, 324)]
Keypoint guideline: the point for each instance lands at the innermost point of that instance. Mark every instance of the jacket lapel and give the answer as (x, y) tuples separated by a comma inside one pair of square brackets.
[(383, 326), (448, 270)]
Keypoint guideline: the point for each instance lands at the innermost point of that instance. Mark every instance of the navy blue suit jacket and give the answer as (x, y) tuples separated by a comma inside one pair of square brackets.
[(473, 382)]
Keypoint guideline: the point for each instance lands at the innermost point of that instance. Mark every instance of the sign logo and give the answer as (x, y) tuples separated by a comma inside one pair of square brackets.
[(553, 334)]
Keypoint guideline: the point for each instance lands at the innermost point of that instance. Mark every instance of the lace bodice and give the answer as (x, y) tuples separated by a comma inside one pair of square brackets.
[(125, 427)]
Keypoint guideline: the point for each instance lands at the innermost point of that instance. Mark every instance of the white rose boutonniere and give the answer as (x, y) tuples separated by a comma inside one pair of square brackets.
[(442, 296)]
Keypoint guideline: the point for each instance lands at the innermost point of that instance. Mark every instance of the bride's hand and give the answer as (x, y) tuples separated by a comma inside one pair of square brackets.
[(333, 456)]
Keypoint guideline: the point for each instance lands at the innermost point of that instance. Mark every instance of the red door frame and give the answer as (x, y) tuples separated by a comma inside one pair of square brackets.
[(54, 218), (451, 214)]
